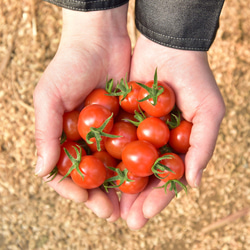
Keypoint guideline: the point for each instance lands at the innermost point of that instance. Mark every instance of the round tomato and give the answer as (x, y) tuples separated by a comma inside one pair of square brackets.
[(139, 157), (94, 116), (99, 96), (165, 101), (130, 102), (135, 186), (127, 133), (70, 121), (176, 164), (179, 137), (64, 163), (153, 130), (108, 161), (93, 173)]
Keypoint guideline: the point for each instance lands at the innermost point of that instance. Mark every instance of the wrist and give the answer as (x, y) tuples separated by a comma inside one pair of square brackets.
[(111, 22)]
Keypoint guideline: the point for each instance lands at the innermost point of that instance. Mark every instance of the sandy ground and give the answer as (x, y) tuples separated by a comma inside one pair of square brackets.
[(216, 216)]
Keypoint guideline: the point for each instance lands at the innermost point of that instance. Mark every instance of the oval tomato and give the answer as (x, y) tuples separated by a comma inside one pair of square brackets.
[(139, 157), (179, 137), (93, 171), (135, 186), (108, 161), (176, 164), (99, 96), (127, 133), (130, 102), (70, 127), (165, 101), (64, 163), (153, 130)]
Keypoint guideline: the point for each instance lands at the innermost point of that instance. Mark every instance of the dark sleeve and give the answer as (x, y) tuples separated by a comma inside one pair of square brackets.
[(181, 24), (88, 5)]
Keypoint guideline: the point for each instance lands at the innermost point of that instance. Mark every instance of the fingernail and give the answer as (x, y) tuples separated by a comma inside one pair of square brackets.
[(198, 179), (39, 165)]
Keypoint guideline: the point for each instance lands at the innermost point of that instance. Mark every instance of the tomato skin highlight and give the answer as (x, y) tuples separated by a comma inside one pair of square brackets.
[(94, 116), (139, 157), (64, 163), (130, 102), (134, 187), (70, 125), (165, 101), (99, 96), (115, 146), (108, 161), (153, 130), (179, 137), (93, 170), (176, 164)]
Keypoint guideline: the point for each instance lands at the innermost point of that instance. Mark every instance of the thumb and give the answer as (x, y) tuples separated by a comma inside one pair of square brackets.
[(48, 128), (202, 142)]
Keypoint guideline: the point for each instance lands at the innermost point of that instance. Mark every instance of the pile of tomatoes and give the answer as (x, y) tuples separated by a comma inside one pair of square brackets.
[(123, 136)]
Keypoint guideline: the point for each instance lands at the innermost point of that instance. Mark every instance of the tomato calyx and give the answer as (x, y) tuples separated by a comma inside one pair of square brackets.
[(139, 117), (154, 91), (158, 167), (122, 89), (175, 119), (52, 174), (75, 162), (97, 133), (165, 149), (122, 176)]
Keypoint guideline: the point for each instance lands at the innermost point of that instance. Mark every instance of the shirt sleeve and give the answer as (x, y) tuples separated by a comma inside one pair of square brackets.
[(88, 5), (180, 24)]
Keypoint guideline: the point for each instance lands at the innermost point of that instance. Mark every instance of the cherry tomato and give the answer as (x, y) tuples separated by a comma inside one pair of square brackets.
[(124, 116), (99, 96), (93, 116), (64, 163), (70, 121), (139, 157), (130, 102), (179, 137), (175, 163), (108, 161), (92, 169), (137, 184), (165, 101), (115, 146), (153, 130)]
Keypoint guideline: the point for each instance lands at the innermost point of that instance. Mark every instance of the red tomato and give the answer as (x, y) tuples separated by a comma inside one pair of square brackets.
[(130, 102), (108, 161), (99, 96), (124, 116), (179, 137), (176, 164), (136, 186), (92, 169), (115, 146), (139, 157), (153, 130), (64, 163), (70, 121), (164, 118), (93, 116), (165, 101)]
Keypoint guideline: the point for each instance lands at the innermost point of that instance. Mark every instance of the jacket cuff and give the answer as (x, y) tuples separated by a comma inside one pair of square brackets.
[(187, 25), (88, 5)]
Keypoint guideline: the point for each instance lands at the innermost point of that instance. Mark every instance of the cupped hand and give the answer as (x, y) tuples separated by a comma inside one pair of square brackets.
[(93, 46), (199, 99)]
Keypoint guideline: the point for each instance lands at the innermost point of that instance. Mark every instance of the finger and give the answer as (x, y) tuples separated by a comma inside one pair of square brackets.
[(126, 203), (48, 128), (206, 124), (158, 199), (99, 203), (76, 193), (113, 197)]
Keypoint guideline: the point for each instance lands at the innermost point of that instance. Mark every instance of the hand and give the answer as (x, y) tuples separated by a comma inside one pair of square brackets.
[(199, 99), (93, 45)]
